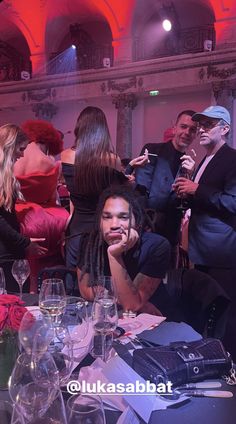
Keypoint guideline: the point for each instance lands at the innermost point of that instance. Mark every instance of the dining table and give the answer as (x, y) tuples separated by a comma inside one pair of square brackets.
[(193, 410)]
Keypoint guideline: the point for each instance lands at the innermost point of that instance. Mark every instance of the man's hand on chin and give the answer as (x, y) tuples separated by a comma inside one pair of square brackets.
[(120, 244)]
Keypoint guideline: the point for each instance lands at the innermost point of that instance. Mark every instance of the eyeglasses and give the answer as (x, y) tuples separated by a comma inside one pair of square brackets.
[(208, 125)]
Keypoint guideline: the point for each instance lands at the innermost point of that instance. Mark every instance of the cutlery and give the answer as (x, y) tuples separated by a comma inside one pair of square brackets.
[(176, 394), (203, 385)]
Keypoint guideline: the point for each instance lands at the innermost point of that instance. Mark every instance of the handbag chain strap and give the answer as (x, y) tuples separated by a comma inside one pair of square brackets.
[(231, 377)]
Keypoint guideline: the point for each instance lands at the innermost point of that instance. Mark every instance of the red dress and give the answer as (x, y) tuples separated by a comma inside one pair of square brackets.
[(40, 217)]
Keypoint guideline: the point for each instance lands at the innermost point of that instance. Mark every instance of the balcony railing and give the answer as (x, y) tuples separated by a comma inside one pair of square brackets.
[(80, 59), (190, 40)]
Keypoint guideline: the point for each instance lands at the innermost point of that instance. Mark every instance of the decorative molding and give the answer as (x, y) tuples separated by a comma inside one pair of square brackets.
[(223, 73), (121, 87), (44, 110), (39, 95), (124, 100)]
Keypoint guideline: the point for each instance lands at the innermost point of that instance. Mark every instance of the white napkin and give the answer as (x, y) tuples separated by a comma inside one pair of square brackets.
[(137, 325), (94, 373)]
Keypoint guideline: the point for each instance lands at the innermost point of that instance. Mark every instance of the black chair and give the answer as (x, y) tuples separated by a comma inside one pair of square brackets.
[(69, 277), (199, 301)]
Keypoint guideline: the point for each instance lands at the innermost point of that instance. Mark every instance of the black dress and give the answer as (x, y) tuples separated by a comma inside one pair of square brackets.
[(85, 205), (12, 246)]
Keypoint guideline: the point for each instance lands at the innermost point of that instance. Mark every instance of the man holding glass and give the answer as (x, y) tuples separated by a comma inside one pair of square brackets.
[(212, 197), (136, 260), (166, 161)]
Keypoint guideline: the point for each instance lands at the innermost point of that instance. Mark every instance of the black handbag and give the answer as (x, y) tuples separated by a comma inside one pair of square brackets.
[(182, 362)]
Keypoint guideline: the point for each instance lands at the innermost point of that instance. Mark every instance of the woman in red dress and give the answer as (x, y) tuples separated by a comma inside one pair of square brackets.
[(38, 172)]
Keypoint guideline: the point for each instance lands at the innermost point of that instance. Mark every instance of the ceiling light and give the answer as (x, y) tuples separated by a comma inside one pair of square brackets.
[(167, 25)]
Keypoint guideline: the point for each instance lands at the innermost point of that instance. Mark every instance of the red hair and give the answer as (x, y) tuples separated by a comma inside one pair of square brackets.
[(44, 132)]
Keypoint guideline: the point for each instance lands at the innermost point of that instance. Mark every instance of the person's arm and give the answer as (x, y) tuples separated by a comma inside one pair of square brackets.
[(136, 162), (134, 294), (210, 197), (18, 241), (11, 236), (86, 291)]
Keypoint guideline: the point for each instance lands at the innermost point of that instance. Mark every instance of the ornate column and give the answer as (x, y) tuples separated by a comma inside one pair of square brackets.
[(224, 94), (124, 104), (45, 110)]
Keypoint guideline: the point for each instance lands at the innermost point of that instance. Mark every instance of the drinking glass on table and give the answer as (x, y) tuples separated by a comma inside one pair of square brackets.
[(21, 271), (36, 331), (2, 281), (52, 298), (75, 319), (104, 321), (105, 286), (85, 409)]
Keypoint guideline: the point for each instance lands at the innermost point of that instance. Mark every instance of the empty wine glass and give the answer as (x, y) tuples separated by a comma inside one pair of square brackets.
[(21, 271), (75, 318), (85, 409), (104, 320), (105, 286), (54, 414), (61, 350), (35, 332), (52, 298), (33, 383), (2, 282)]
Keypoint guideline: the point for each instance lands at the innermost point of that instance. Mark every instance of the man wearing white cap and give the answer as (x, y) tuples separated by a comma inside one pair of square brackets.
[(212, 198)]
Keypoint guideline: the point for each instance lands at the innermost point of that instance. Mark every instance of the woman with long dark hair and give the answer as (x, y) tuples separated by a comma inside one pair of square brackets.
[(89, 167), (13, 245)]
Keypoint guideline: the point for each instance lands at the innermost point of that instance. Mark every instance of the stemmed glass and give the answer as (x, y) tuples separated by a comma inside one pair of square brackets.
[(104, 320), (85, 409), (105, 286), (21, 271), (182, 172), (35, 332), (52, 299), (2, 281), (33, 384), (75, 319)]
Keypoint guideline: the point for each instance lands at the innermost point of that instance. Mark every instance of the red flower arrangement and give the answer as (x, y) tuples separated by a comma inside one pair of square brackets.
[(11, 312)]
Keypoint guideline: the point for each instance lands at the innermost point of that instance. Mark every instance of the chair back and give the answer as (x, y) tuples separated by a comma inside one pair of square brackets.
[(69, 277)]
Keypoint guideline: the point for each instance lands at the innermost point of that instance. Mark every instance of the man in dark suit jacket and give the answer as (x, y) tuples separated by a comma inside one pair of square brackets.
[(158, 176), (212, 227)]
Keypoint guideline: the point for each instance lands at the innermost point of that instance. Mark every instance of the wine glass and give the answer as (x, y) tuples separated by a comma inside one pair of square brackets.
[(75, 318), (21, 271), (55, 412), (35, 332), (52, 298), (104, 320), (85, 409), (182, 172), (2, 282), (33, 383), (105, 286), (61, 350)]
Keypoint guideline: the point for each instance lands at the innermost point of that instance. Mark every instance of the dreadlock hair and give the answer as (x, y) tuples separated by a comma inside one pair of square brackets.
[(93, 246)]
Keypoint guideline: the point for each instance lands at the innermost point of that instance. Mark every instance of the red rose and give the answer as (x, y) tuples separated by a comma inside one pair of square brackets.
[(10, 299), (3, 316), (15, 315)]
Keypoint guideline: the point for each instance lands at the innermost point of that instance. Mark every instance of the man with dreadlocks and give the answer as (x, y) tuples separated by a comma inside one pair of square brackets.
[(119, 247)]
